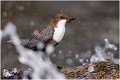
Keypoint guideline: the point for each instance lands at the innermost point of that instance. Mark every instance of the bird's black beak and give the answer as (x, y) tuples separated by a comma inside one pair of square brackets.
[(71, 19)]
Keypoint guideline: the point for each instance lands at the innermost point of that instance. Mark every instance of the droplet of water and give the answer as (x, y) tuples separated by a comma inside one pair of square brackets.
[(106, 40), (69, 61), (40, 45), (49, 49), (87, 60), (93, 59), (81, 60), (10, 28), (61, 11), (22, 60), (60, 51), (77, 56), (109, 45)]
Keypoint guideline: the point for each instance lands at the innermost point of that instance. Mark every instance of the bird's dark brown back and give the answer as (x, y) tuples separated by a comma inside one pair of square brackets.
[(44, 37)]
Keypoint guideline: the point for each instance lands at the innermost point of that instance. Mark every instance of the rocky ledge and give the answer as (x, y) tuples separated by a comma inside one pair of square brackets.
[(98, 70)]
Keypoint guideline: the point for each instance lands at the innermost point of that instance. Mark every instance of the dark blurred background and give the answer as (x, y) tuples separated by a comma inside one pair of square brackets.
[(96, 21)]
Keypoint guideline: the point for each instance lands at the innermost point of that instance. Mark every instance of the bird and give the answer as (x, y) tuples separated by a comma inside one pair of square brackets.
[(53, 34)]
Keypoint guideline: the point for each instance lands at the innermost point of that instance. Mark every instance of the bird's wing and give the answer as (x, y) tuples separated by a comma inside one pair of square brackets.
[(43, 37), (46, 35)]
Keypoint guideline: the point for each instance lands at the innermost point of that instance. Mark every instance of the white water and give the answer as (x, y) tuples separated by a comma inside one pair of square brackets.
[(101, 53), (41, 69)]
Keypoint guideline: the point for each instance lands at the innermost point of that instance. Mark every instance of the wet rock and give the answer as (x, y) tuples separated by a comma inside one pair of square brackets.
[(98, 70)]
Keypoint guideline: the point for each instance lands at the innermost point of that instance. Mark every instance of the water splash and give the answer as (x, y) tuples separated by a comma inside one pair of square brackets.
[(11, 74), (76, 56), (6, 73), (109, 45), (41, 69), (101, 53)]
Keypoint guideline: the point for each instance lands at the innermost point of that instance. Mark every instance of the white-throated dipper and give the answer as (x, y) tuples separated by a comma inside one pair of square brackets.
[(53, 34)]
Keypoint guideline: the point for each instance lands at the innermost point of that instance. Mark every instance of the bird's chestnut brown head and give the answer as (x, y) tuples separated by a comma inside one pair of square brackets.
[(61, 16), (58, 17)]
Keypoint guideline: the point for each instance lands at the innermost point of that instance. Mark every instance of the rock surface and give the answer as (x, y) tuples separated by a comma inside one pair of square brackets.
[(98, 70)]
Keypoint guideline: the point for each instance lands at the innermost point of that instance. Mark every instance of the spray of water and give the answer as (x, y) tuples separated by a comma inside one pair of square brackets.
[(101, 53), (42, 69)]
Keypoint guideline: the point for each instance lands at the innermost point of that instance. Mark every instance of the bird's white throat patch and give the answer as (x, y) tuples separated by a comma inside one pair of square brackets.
[(59, 31)]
